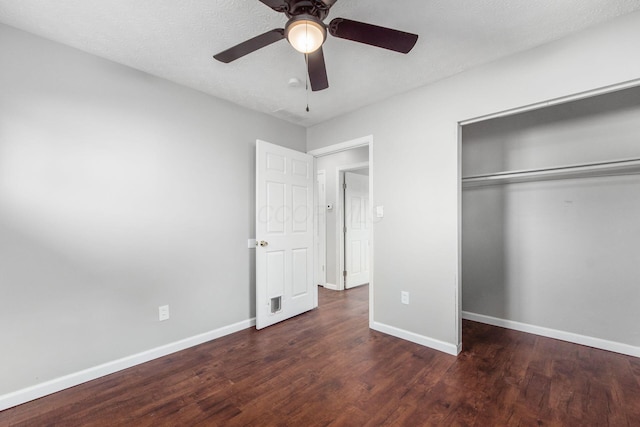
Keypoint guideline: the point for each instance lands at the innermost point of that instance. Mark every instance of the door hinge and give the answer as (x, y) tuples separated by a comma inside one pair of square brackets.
[(344, 273), (344, 186), (344, 230)]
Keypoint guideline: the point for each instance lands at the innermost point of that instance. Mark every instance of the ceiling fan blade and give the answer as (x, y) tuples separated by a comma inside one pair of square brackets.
[(373, 35), (317, 70), (277, 5), (251, 45)]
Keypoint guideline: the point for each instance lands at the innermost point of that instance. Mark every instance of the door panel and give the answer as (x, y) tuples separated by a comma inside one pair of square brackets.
[(356, 258), (275, 273), (300, 168), (275, 163), (284, 231), (300, 212), (275, 207), (300, 271)]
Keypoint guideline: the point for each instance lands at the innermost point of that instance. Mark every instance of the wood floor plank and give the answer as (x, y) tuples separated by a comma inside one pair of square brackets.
[(327, 368)]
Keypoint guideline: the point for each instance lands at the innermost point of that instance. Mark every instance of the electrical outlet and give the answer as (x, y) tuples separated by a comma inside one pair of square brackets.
[(163, 312), (404, 297)]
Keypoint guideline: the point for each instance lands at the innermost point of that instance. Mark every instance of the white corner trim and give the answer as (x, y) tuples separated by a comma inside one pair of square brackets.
[(614, 346), (331, 286), (37, 391), (343, 146), (435, 344)]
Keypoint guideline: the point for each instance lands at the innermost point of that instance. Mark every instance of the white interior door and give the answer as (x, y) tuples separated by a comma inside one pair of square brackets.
[(357, 225), (284, 232)]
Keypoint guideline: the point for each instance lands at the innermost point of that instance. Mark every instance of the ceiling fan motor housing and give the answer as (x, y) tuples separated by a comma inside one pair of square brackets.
[(316, 8)]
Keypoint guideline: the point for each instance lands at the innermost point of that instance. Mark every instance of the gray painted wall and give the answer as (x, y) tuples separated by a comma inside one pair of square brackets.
[(109, 202), (558, 254), (416, 165), (119, 192), (330, 165)]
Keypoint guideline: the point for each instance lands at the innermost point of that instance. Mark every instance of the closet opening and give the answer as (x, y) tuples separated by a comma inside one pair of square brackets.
[(550, 221)]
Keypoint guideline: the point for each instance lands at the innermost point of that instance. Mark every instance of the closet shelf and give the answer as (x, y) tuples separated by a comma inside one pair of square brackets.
[(584, 170)]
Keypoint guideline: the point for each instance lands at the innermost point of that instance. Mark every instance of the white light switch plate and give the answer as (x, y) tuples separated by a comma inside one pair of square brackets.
[(251, 243), (404, 297), (379, 211), (163, 312)]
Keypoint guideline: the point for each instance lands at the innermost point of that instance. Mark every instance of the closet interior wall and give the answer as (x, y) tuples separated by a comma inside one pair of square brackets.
[(561, 254)]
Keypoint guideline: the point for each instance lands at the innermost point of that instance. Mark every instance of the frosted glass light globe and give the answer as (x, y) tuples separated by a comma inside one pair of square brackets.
[(305, 36)]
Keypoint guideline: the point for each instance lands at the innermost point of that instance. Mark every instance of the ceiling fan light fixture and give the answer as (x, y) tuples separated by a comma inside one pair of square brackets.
[(305, 33)]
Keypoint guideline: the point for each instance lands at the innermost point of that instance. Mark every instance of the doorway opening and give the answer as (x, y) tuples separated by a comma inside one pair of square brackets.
[(352, 159)]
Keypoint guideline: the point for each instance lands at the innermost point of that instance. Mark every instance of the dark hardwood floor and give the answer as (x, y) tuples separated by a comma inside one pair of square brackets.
[(326, 368)]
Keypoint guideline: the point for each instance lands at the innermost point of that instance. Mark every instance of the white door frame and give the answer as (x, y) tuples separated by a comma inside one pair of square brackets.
[(320, 231), (340, 170), (347, 145)]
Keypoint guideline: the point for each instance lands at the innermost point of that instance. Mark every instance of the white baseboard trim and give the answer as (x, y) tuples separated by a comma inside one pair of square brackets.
[(416, 338), (40, 390), (331, 286), (614, 346)]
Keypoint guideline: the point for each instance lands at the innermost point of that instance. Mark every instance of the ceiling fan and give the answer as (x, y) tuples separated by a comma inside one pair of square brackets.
[(306, 32)]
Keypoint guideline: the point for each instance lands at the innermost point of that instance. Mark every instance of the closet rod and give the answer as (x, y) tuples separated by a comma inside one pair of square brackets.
[(559, 170)]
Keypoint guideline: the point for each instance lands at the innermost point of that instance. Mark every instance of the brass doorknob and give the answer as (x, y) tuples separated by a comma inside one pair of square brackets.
[(263, 243)]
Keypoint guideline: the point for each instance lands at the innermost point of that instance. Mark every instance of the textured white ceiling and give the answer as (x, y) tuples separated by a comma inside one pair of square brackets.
[(175, 39)]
